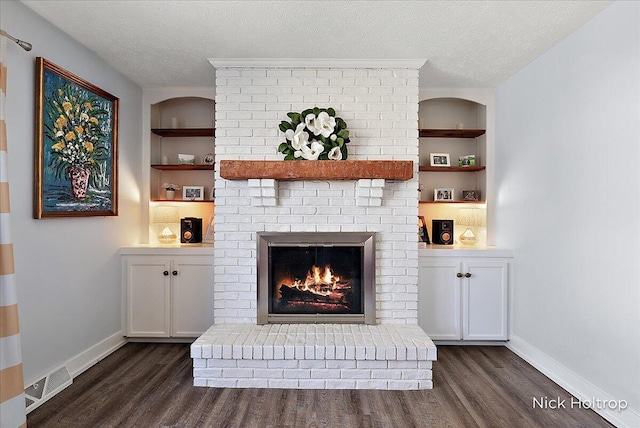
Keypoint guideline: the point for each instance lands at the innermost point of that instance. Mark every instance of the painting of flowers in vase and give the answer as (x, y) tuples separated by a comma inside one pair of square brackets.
[(75, 147)]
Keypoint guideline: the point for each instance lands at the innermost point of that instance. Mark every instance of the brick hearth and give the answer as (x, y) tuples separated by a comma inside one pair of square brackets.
[(317, 356)]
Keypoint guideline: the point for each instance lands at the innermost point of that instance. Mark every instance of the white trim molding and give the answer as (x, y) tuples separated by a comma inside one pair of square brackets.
[(413, 64), (574, 384), (55, 381), (89, 357)]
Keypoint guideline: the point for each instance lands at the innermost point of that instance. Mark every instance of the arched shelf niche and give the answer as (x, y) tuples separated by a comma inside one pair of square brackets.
[(455, 126), (177, 121)]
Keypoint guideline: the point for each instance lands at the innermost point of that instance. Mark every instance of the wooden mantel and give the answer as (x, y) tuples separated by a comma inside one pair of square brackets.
[(297, 170)]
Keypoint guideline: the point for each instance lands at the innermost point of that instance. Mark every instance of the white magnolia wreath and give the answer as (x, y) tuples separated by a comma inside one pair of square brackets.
[(314, 134)]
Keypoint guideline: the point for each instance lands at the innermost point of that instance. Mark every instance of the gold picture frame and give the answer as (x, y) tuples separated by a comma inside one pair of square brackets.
[(76, 146)]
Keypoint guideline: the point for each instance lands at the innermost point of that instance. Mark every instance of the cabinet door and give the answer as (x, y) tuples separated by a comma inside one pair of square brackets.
[(192, 296), (484, 301), (148, 294), (439, 300)]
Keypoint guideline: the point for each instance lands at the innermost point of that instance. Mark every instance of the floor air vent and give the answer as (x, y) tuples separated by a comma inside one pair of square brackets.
[(45, 388)]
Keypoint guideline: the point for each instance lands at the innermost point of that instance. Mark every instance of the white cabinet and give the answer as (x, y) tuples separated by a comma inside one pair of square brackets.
[(484, 300), (148, 294), (166, 293), (464, 298), (439, 300)]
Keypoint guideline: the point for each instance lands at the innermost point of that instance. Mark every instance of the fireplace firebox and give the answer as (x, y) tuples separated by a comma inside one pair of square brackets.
[(316, 277)]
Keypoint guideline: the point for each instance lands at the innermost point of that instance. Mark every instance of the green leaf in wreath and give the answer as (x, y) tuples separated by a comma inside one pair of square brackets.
[(340, 142), (343, 134), (331, 112), (306, 112), (284, 125), (340, 123), (316, 111), (343, 149), (289, 157), (295, 118), (282, 147)]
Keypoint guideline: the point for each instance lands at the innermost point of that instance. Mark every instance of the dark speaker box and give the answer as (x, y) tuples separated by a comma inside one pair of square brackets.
[(190, 230), (442, 232)]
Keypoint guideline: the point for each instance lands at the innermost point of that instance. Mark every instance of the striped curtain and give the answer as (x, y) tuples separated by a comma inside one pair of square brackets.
[(12, 404)]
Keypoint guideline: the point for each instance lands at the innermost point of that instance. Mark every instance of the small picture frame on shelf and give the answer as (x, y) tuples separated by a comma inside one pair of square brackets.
[(443, 194), (423, 233), (212, 193), (467, 160), (185, 159), (471, 195), (208, 236), (193, 193), (208, 159), (440, 159)]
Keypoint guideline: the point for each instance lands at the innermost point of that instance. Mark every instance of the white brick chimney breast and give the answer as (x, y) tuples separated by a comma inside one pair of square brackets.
[(380, 107), (379, 102)]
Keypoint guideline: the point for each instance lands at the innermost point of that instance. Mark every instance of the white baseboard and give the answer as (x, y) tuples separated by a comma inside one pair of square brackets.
[(577, 386), (47, 386), (97, 352)]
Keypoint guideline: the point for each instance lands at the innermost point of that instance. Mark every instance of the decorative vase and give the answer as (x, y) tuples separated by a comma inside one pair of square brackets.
[(170, 194), (79, 182)]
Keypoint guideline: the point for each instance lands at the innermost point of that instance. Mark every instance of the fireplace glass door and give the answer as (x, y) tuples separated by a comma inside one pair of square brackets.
[(315, 277), (316, 280)]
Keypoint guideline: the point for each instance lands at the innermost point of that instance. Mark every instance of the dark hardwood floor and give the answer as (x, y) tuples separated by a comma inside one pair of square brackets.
[(150, 385)]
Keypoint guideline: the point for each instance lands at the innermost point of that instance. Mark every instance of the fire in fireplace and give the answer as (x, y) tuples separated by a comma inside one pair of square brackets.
[(299, 286), (316, 277)]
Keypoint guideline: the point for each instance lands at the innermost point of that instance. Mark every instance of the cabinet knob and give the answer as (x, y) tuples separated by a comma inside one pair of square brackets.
[(459, 275), (174, 273), (165, 273), (467, 275)]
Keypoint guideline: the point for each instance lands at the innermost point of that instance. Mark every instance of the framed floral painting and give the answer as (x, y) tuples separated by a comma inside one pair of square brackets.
[(76, 146)]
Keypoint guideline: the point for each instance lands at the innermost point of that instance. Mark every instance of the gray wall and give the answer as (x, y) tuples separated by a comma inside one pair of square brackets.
[(567, 202), (568, 192), (67, 270)]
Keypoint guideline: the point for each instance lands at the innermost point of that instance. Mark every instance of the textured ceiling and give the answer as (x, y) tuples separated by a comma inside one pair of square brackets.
[(466, 43)]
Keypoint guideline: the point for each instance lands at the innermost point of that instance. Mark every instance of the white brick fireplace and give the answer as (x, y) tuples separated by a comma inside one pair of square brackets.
[(380, 106)]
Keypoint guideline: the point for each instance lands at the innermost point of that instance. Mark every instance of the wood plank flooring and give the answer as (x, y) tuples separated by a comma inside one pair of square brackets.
[(150, 385)]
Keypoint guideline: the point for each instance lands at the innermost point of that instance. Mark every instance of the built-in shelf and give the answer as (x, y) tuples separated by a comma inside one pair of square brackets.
[(453, 202), (174, 167), (316, 170), (184, 132), (451, 133), (424, 168), (182, 200)]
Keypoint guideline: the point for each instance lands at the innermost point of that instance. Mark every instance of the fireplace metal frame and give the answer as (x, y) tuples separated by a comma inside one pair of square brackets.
[(317, 239)]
